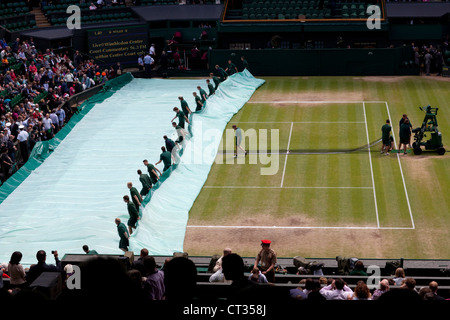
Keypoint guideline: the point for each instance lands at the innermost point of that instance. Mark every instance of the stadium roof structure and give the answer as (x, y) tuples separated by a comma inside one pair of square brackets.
[(49, 33), (205, 12), (417, 10)]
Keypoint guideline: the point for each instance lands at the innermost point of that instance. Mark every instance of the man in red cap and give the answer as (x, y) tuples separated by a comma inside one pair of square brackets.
[(267, 258)]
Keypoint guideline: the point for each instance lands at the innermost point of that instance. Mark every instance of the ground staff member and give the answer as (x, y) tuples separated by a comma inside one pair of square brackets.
[(152, 171), (166, 158), (146, 183), (181, 117), (134, 215), (385, 137), (123, 235), (184, 106), (135, 195)]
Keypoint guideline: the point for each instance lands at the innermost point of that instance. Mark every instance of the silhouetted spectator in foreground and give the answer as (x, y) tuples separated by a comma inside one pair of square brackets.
[(180, 279), (399, 296), (105, 281), (244, 289)]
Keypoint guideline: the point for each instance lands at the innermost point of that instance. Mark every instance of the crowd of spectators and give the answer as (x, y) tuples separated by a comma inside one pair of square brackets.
[(143, 280), (34, 85), (337, 289), (431, 58)]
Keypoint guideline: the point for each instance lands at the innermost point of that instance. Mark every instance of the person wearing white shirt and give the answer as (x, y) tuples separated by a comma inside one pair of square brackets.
[(69, 78), (48, 125), (337, 290), (22, 55), (23, 142), (152, 51), (7, 131)]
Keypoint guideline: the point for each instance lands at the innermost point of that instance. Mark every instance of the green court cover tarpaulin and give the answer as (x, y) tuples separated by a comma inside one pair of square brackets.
[(70, 191)]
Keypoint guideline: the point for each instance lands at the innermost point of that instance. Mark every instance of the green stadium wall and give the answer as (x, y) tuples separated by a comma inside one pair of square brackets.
[(320, 62)]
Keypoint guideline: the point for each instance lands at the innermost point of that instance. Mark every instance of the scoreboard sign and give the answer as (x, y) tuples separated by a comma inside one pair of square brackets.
[(124, 44)]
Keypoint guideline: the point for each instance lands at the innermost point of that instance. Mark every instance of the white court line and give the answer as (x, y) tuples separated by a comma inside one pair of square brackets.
[(285, 160), (261, 187), (371, 168), (314, 102), (297, 227), (313, 122), (401, 170)]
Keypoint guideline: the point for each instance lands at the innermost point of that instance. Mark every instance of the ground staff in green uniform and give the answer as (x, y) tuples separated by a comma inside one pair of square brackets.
[(385, 137), (184, 106), (123, 235), (86, 249), (181, 117), (402, 121), (146, 183), (231, 68), (244, 63), (166, 158), (210, 87), (222, 74), (135, 195), (215, 79), (152, 171), (198, 101), (203, 95), (134, 214), (405, 134)]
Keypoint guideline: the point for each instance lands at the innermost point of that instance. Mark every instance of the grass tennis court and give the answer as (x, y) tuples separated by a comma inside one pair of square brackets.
[(322, 201)]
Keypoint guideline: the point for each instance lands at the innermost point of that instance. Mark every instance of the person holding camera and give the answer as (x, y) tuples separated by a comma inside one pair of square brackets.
[(36, 269)]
